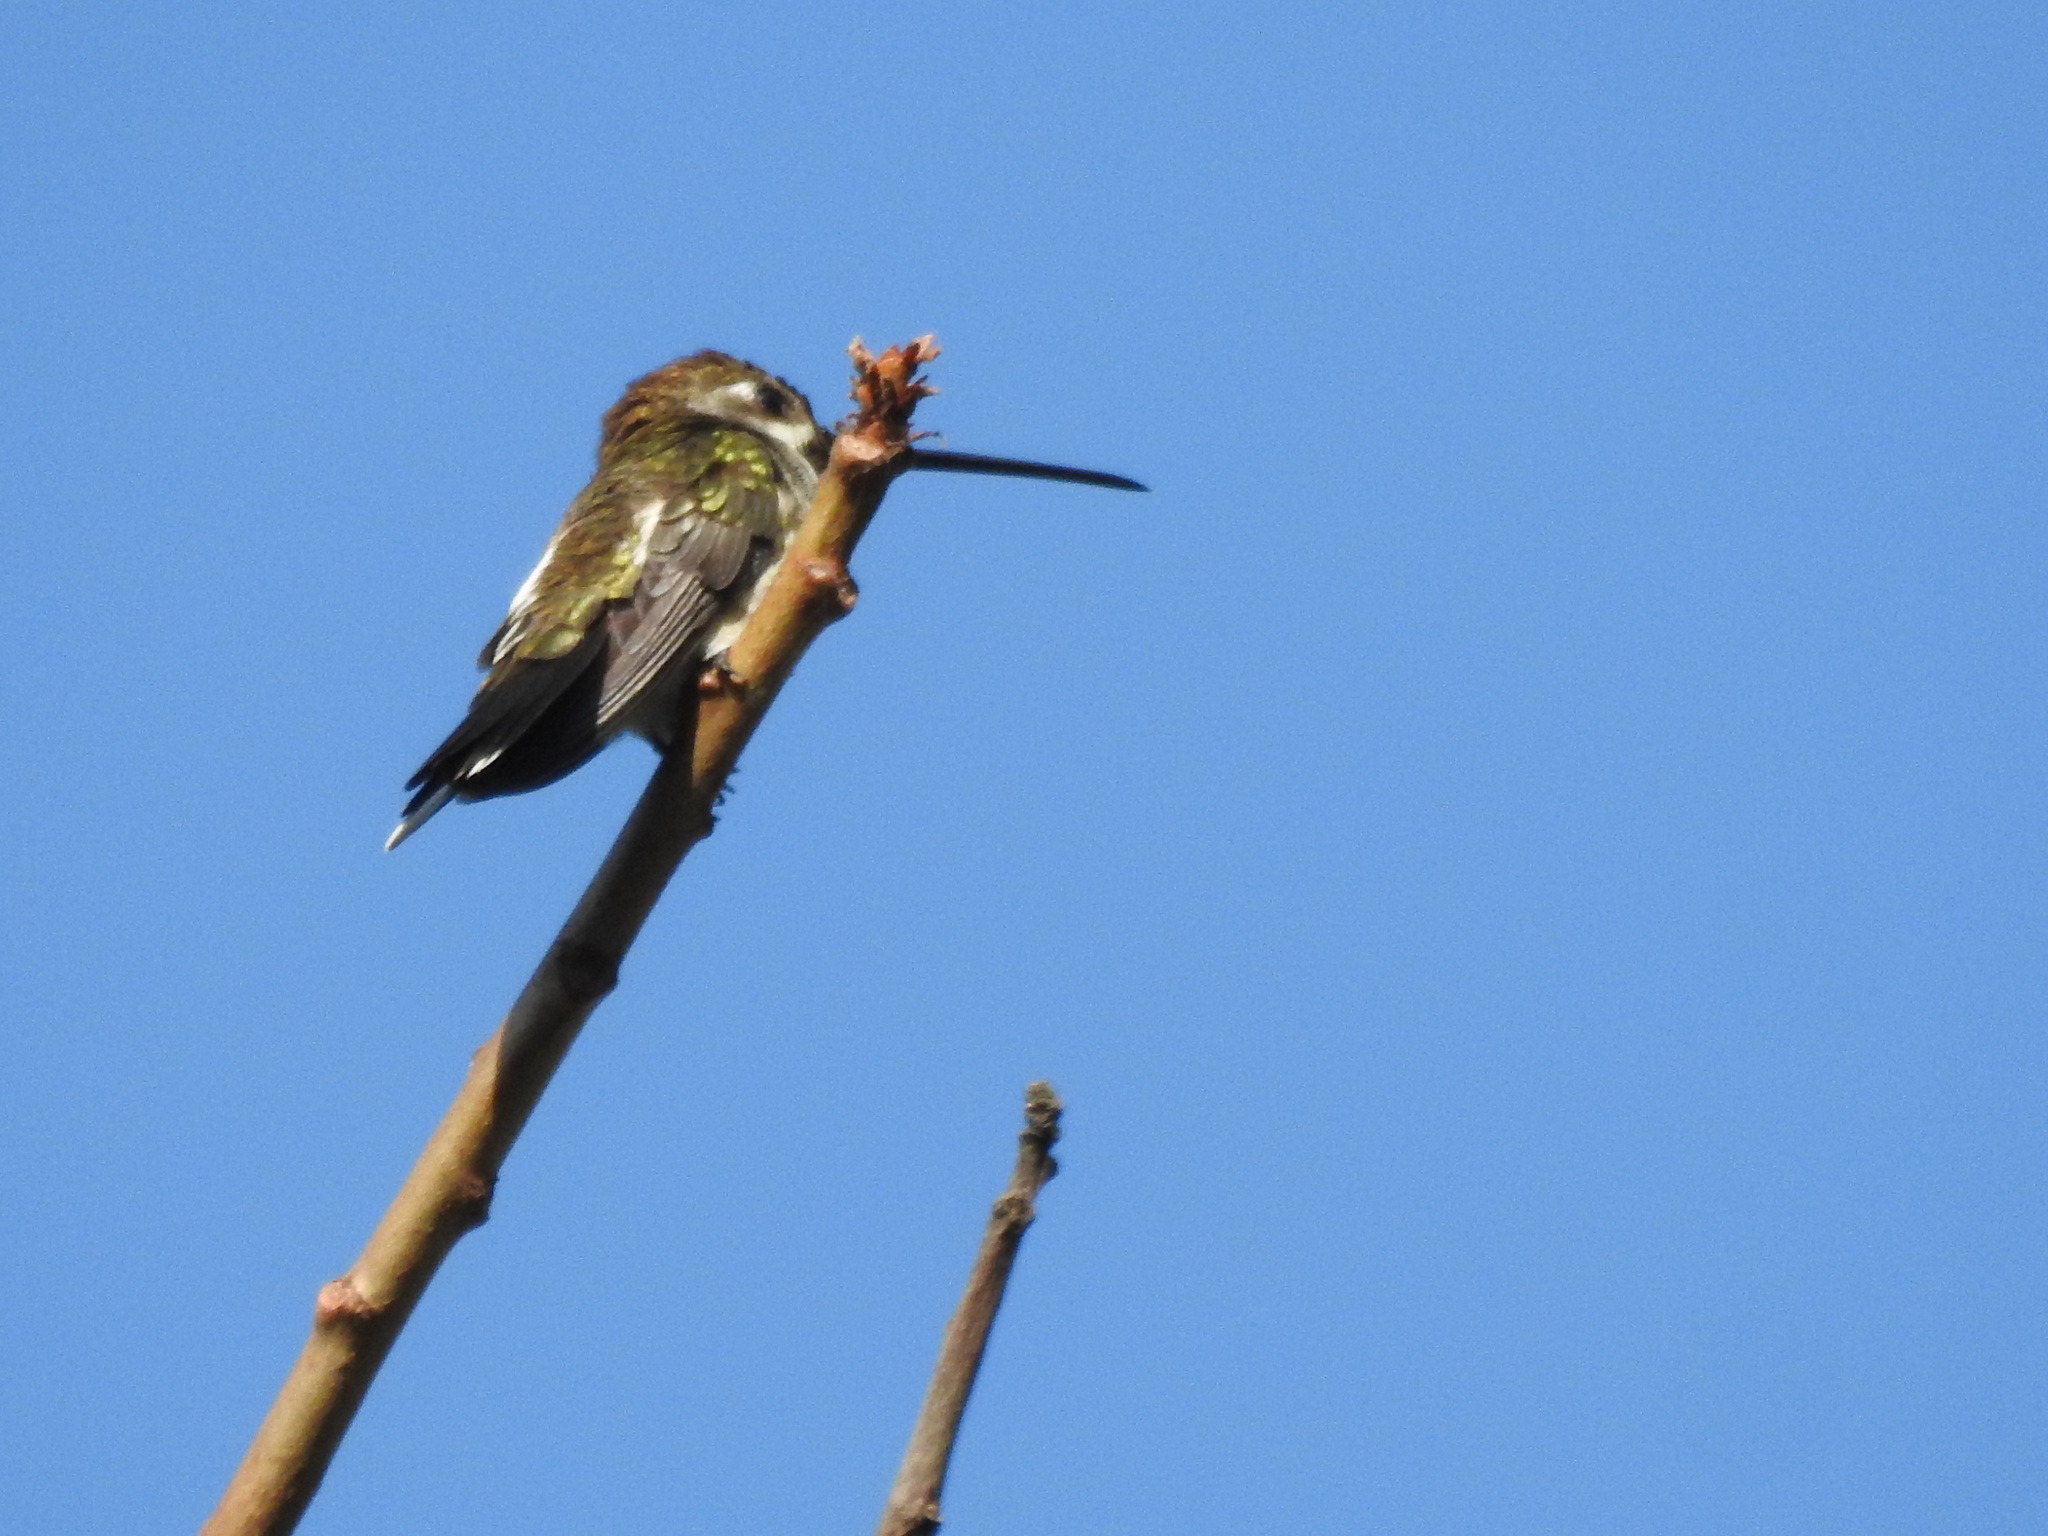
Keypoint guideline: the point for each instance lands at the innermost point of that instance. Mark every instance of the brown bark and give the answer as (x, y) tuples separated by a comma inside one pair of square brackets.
[(913, 1505), (357, 1317)]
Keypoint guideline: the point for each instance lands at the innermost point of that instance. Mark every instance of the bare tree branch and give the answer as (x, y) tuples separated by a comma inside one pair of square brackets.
[(357, 1317), (913, 1506)]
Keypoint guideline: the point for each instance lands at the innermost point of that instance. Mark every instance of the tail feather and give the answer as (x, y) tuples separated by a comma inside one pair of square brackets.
[(530, 723), (419, 812)]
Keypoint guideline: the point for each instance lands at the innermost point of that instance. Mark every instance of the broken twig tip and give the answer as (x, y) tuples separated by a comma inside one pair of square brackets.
[(1042, 1108), (887, 388)]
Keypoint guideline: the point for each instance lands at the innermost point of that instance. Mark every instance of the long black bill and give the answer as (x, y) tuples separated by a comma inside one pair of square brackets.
[(982, 464)]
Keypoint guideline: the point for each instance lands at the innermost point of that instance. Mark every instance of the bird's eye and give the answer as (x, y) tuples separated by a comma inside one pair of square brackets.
[(772, 400)]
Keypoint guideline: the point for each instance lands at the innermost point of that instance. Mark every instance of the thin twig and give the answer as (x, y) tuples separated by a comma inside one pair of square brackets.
[(357, 1317), (913, 1506)]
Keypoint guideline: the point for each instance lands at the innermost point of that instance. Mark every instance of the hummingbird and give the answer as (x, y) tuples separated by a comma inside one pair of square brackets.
[(704, 469)]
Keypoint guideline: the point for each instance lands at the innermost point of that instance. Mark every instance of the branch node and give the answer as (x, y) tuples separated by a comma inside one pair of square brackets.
[(586, 972), (831, 586), (719, 678), (341, 1306), (1012, 1210), (469, 1200)]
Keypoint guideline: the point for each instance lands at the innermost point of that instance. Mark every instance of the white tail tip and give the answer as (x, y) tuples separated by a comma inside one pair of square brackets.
[(419, 818)]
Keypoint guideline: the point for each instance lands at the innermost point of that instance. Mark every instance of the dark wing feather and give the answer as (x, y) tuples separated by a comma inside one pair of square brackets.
[(518, 693), (692, 563), (561, 739), (488, 656)]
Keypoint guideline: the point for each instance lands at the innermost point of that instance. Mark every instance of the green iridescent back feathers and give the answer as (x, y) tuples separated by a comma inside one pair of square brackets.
[(695, 469)]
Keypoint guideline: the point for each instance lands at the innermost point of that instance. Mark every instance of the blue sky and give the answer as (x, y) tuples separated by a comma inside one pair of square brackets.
[(1523, 855)]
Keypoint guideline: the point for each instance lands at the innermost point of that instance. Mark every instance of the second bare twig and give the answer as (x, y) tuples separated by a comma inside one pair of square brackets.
[(913, 1506)]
